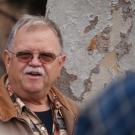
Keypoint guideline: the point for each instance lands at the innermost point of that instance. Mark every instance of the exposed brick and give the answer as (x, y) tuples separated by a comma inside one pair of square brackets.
[(100, 42)]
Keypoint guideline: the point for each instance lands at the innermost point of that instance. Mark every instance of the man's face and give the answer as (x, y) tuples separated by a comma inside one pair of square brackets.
[(34, 76)]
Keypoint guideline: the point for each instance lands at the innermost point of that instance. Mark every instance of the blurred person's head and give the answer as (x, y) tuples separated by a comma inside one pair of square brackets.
[(112, 112)]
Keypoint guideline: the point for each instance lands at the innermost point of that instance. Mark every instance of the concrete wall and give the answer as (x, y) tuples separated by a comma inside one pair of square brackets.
[(98, 40)]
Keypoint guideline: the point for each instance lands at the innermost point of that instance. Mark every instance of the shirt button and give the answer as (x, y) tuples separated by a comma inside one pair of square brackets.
[(42, 128)]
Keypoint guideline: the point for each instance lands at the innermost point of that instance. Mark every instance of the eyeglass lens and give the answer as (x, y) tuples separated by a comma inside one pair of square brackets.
[(45, 57)]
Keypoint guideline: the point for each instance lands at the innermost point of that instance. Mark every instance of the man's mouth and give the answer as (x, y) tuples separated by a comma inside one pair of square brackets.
[(34, 73)]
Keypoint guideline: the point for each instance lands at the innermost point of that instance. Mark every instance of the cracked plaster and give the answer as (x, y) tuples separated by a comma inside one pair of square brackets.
[(98, 37), (98, 40)]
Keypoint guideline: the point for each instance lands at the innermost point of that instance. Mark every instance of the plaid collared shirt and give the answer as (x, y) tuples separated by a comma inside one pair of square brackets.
[(32, 120), (112, 112)]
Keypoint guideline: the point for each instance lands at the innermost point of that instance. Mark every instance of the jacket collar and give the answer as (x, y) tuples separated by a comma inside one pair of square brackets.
[(7, 109), (68, 108)]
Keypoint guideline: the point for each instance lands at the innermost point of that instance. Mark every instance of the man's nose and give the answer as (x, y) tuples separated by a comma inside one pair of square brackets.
[(35, 61)]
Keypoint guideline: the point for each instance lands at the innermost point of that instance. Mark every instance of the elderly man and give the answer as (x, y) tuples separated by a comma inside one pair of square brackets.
[(29, 102)]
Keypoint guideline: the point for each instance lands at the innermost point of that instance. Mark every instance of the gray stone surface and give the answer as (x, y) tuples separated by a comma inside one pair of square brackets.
[(98, 40)]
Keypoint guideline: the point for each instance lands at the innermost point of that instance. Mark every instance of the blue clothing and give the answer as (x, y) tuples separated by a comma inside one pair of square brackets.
[(112, 112), (47, 119)]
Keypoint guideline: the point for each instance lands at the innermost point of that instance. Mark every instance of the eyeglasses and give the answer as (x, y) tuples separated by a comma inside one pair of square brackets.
[(27, 56)]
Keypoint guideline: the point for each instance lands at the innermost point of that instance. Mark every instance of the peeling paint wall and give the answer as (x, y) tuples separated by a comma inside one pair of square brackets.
[(98, 40)]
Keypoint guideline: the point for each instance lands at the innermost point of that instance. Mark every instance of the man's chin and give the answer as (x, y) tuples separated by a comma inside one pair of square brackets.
[(33, 88)]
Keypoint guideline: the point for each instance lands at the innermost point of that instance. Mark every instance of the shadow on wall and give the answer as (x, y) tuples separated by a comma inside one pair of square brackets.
[(35, 7)]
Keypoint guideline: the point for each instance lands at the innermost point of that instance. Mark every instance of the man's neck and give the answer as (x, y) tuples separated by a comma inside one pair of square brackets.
[(37, 105)]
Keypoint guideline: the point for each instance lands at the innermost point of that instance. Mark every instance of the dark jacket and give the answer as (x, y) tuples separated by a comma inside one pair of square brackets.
[(11, 124)]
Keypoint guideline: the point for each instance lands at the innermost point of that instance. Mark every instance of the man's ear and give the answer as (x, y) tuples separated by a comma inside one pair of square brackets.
[(6, 59), (62, 60)]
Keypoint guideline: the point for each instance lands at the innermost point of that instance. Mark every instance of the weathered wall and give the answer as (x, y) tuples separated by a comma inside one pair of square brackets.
[(99, 42)]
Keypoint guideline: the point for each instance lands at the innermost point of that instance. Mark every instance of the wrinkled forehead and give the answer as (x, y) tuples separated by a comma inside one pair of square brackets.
[(36, 34)]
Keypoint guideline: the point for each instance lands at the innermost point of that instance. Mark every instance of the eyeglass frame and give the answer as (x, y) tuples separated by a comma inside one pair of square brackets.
[(32, 56)]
